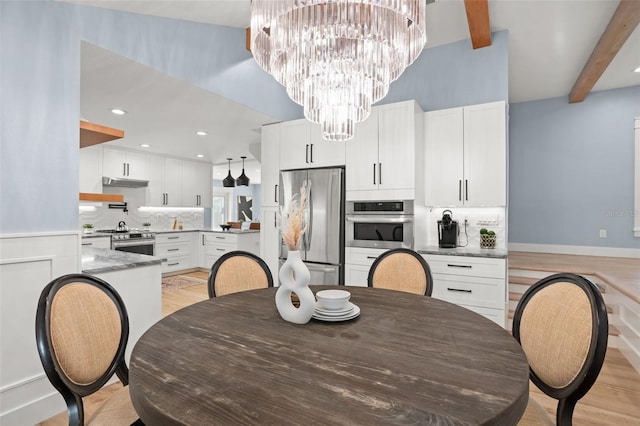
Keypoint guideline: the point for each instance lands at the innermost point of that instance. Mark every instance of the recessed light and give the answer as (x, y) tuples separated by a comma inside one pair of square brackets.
[(145, 145), (200, 156), (118, 111), (637, 70), (201, 133)]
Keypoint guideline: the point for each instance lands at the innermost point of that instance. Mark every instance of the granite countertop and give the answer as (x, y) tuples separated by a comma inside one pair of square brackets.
[(220, 231), (96, 235), (95, 260), (495, 253)]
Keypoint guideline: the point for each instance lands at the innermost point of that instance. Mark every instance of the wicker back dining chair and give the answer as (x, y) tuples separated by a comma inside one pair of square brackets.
[(81, 332), (401, 269), (561, 323), (238, 271)]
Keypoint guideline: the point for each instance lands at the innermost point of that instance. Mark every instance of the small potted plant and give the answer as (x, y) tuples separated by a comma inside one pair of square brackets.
[(146, 225), (88, 228), (487, 238)]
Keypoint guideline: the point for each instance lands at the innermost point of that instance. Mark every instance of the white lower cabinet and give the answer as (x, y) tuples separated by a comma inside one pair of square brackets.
[(358, 261), (215, 244), (476, 283), (97, 242), (177, 248)]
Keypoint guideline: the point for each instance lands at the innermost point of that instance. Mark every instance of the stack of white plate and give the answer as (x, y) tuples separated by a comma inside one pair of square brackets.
[(348, 312)]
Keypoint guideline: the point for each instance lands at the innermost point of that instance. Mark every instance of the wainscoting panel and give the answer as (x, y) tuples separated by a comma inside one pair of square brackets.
[(28, 262)]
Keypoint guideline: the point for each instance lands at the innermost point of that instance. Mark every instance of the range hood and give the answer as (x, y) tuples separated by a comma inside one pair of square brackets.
[(124, 183)]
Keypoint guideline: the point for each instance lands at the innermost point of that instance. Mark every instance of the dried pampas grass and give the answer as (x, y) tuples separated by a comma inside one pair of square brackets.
[(293, 225)]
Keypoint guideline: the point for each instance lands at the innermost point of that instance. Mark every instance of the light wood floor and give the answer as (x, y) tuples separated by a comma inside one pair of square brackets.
[(613, 400)]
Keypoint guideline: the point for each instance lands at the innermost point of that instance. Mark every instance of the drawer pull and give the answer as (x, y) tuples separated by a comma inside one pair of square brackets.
[(372, 257), (458, 290), (173, 264), (173, 249), (172, 238), (221, 238), (219, 249), (452, 265), (87, 244)]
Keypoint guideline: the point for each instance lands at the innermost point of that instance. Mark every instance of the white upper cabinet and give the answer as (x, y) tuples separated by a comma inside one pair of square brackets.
[(465, 156), (91, 169), (380, 159), (302, 146), (124, 164), (362, 156), (270, 164), (196, 186), (165, 182)]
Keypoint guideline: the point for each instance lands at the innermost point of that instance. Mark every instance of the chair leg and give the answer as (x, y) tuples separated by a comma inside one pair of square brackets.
[(75, 409), (564, 412)]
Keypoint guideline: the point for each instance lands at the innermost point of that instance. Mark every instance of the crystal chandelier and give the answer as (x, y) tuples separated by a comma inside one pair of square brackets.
[(337, 57)]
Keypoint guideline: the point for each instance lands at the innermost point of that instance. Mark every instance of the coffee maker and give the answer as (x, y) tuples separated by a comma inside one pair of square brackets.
[(447, 231)]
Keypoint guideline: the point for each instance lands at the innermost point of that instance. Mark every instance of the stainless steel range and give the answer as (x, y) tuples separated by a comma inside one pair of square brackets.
[(132, 241)]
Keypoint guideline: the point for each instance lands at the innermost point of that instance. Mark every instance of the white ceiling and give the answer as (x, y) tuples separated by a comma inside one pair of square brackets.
[(549, 43)]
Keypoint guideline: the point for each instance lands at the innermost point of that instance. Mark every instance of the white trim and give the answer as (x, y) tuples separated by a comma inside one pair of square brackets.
[(23, 382), (636, 213), (41, 234), (579, 250)]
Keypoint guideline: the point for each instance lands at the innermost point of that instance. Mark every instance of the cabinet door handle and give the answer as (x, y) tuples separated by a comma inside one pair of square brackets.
[(374, 173), (173, 249), (275, 193), (128, 165), (459, 189), (453, 265), (460, 290), (124, 169), (311, 151), (379, 173), (275, 221), (466, 190), (372, 257), (173, 264), (167, 203), (202, 239)]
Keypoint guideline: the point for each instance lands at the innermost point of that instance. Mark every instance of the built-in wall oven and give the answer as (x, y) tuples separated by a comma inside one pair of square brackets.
[(379, 224)]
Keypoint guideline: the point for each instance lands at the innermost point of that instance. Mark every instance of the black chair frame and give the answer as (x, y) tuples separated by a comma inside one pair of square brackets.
[(569, 395), (72, 392), (218, 263), (425, 266)]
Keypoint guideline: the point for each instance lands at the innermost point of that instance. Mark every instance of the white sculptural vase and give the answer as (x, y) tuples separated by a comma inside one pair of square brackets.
[(294, 278)]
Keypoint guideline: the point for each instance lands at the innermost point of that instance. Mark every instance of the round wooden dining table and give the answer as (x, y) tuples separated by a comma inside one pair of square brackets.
[(406, 359)]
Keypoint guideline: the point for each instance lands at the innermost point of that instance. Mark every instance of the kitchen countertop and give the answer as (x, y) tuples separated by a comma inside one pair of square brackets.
[(219, 231), (96, 235), (96, 260), (495, 253)]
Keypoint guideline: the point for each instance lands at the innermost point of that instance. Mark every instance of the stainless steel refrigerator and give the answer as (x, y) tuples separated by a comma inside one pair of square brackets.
[(322, 248)]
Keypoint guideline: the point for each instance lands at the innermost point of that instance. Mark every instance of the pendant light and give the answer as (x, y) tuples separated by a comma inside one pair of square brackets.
[(242, 180), (229, 181)]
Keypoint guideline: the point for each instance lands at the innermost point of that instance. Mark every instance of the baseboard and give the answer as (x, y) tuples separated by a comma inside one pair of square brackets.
[(577, 250), (182, 272)]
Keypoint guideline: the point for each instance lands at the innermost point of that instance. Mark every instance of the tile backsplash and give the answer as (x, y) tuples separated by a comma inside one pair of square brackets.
[(491, 218), (161, 218)]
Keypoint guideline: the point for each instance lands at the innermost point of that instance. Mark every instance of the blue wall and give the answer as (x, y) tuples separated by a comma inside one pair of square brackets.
[(455, 75), (571, 170)]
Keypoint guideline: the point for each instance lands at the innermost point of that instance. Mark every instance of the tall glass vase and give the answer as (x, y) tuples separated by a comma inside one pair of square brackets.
[(294, 278)]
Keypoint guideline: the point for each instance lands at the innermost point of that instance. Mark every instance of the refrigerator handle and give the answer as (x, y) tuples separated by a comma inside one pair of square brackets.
[(308, 234)]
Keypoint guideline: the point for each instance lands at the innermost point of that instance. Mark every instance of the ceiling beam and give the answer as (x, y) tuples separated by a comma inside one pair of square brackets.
[(623, 22), (478, 20)]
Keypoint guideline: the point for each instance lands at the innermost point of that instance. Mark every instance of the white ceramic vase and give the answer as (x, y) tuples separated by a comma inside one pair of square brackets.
[(294, 278)]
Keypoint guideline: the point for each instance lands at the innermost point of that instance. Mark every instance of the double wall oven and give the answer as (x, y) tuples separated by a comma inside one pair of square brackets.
[(132, 241), (379, 224)]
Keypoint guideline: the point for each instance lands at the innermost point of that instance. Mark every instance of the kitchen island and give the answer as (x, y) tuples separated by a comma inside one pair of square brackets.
[(138, 280)]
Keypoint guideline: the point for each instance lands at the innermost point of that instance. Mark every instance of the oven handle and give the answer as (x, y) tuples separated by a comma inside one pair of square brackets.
[(133, 243), (379, 219)]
